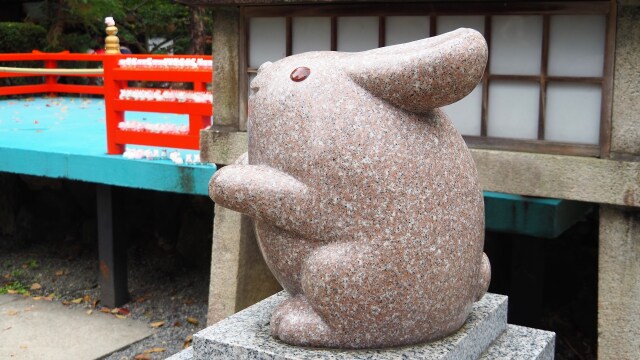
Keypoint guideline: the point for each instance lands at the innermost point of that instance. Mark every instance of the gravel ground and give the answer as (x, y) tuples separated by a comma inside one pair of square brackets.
[(163, 289)]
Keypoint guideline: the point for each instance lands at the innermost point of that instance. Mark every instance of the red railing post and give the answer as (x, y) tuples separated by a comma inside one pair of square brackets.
[(111, 93), (50, 80)]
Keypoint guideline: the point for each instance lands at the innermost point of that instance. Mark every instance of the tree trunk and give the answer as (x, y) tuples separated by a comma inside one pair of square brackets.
[(57, 27), (196, 30)]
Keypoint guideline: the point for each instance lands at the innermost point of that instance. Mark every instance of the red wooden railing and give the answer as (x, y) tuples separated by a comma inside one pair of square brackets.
[(50, 84), (116, 78)]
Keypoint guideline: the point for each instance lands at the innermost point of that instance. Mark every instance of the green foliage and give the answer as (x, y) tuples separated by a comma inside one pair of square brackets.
[(21, 37), (16, 273), (78, 25), (32, 264), (14, 287)]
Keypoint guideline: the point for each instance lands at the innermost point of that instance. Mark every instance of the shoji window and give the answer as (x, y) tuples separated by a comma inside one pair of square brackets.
[(546, 88)]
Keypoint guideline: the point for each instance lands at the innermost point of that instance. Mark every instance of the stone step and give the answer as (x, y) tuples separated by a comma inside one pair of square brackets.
[(246, 335), (518, 342)]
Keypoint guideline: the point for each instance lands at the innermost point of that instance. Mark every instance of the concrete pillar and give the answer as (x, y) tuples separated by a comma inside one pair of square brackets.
[(239, 275), (619, 254), (226, 29), (619, 283)]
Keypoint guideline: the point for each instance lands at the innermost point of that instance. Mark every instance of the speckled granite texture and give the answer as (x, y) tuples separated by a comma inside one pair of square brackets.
[(519, 342), (246, 335), (366, 198), (186, 354)]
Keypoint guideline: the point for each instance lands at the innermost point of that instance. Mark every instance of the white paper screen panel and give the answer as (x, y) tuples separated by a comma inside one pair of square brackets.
[(576, 45), (449, 23), (573, 113), (466, 114), (513, 109), (516, 45), (310, 34), (402, 29), (357, 33), (267, 40)]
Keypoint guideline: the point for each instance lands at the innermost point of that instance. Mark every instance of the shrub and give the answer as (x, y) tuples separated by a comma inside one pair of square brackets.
[(21, 37)]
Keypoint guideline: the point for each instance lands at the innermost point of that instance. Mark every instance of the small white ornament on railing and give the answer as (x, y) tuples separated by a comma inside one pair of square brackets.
[(166, 63), (202, 97)]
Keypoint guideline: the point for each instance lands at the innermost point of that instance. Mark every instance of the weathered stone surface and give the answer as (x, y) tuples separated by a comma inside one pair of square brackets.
[(557, 176), (225, 67), (619, 283), (366, 199), (625, 132), (246, 335), (222, 147), (239, 275)]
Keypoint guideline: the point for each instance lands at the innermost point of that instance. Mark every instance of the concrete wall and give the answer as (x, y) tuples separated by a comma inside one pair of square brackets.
[(619, 254)]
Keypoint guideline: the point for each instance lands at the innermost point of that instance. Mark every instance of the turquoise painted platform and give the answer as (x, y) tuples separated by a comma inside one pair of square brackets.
[(64, 137)]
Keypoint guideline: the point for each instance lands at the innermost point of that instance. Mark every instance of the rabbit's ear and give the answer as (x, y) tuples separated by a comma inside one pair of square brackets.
[(424, 74)]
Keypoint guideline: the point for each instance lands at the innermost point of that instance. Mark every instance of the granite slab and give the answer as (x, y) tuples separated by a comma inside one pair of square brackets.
[(518, 342), (186, 354), (246, 335)]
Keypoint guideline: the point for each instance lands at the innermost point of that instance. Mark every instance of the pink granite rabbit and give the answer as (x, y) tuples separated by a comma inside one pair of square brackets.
[(365, 197)]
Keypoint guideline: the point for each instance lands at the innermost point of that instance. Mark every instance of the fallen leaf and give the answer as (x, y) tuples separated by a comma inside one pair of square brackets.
[(7, 276), (192, 320), (86, 298), (189, 302), (187, 341), (77, 301), (177, 324), (37, 298), (90, 311), (48, 298), (105, 310), (120, 316), (7, 328), (114, 310), (94, 304), (66, 303), (36, 286), (140, 299), (59, 272), (11, 312), (12, 292), (123, 311), (23, 346), (155, 350), (142, 357), (156, 324)]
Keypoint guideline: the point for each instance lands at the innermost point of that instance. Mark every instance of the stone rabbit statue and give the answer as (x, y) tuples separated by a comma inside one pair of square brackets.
[(365, 197)]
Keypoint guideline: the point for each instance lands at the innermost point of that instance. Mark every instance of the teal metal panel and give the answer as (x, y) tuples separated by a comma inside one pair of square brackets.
[(538, 217)]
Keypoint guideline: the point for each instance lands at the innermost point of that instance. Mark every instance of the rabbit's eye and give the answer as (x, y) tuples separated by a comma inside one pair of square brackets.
[(300, 73)]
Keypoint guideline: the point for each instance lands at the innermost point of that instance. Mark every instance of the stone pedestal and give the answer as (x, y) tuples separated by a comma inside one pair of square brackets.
[(485, 335)]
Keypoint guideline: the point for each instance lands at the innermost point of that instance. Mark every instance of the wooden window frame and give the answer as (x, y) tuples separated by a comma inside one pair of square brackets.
[(486, 9)]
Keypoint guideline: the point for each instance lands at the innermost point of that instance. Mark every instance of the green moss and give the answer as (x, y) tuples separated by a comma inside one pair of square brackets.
[(15, 288)]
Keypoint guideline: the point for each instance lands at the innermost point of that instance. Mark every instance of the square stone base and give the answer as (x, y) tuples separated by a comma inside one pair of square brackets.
[(485, 335)]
